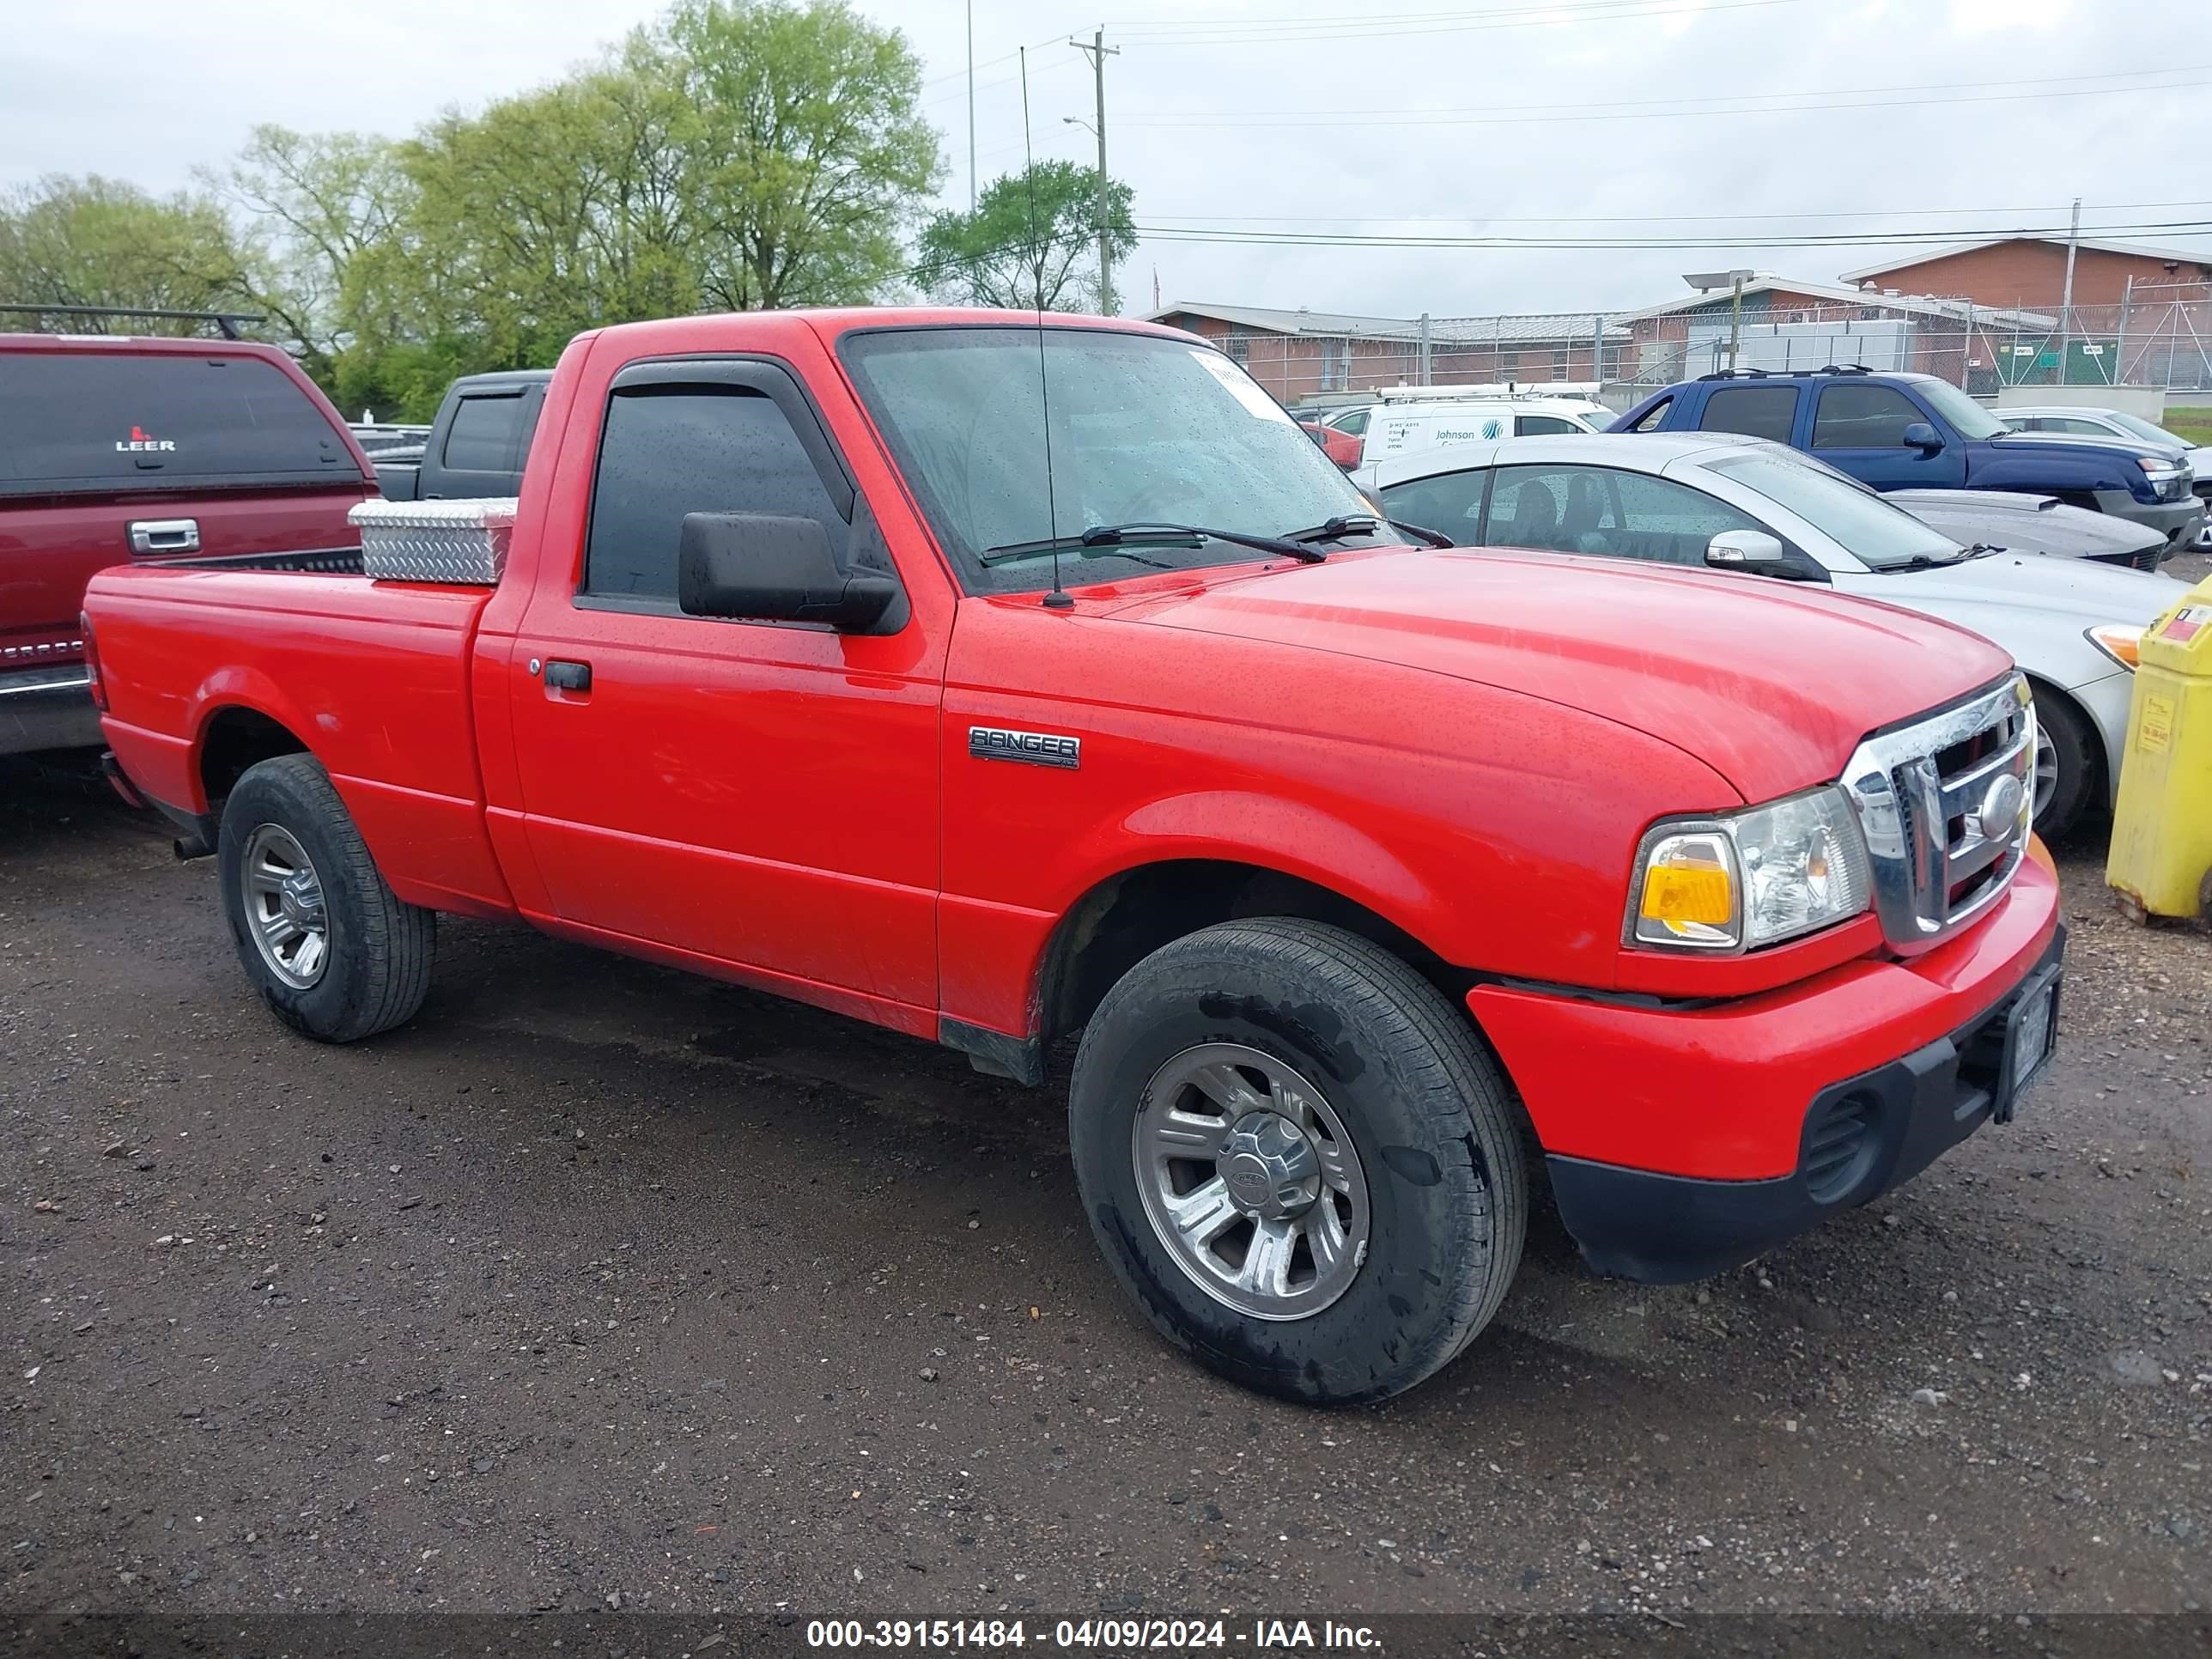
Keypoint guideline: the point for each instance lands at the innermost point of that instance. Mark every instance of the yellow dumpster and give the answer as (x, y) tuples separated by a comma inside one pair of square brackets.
[(2160, 862)]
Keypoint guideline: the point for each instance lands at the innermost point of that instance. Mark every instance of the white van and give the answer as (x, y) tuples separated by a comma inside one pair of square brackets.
[(1400, 428)]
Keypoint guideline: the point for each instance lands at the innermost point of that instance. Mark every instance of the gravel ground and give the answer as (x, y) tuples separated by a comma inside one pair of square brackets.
[(599, 1285)]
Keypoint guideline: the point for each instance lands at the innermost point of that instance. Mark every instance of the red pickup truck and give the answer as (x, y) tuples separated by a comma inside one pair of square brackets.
[(116, 450), (1002, 682)]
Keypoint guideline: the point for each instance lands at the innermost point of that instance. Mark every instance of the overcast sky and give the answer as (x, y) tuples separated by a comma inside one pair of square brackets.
[(1601, 112)]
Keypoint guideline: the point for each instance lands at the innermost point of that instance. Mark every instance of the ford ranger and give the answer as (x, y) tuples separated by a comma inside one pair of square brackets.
[(1003, 681)]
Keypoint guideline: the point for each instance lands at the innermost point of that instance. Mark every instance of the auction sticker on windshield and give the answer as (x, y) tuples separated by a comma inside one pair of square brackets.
[(1241, 385)]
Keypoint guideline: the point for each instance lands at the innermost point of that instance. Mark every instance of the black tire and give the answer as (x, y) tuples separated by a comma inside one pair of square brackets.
[(380, 948), (1428, 1113), (2077, 752)]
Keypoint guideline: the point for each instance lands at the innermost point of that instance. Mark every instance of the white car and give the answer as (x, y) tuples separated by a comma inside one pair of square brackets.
[(1744, 504), (2118, 423)]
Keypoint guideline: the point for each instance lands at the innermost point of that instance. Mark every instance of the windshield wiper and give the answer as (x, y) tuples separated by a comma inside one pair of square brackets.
[(1104, 538), (1365, 524)]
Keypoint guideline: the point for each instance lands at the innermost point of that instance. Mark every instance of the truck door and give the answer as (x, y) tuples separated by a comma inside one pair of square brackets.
[(762, 795), (1859, 429)]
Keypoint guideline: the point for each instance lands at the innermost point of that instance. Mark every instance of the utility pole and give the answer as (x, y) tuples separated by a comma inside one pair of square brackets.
[(1098, 52), (971, 105), (2066, 300)]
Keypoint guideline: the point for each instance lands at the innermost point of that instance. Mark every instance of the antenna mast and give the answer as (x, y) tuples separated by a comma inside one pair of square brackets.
[(1057, 599)]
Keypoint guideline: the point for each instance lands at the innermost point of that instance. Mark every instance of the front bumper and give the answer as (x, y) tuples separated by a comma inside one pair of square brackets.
[(2179, 522), (1678, 1139), (47, 708)]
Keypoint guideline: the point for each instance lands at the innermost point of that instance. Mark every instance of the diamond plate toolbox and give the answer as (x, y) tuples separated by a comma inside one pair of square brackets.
[(461, 542)]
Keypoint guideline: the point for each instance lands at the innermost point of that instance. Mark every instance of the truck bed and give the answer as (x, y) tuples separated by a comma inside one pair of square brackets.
[(375, 675)]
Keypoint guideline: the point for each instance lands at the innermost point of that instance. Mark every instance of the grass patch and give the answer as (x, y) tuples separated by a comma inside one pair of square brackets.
[(2194, 424)]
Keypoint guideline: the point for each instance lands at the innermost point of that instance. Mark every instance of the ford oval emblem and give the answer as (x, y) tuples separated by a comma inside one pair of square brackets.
[(2000, 808)]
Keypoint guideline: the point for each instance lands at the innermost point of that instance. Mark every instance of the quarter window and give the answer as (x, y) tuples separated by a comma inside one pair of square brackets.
[(1863, 417), (1757, 411), (671, 450)]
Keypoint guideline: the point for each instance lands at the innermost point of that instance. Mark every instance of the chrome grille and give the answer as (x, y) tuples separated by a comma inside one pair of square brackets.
[(1945, 805)]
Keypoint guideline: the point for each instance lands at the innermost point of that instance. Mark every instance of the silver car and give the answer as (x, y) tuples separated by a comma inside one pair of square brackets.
[(1744, 504)]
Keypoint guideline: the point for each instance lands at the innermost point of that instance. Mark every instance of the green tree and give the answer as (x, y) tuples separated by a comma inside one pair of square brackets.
[(553, 212), (95, 241), (327, 209), (808, 156), (1031, 240)]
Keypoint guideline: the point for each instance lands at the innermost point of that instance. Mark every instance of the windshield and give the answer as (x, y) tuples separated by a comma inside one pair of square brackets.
[(1143, 429), (2143, 429), (1973, 421), (1879, 535)]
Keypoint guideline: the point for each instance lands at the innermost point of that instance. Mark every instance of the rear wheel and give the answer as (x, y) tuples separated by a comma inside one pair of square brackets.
[(334, 952), (1298, 1159), (2065, 767)]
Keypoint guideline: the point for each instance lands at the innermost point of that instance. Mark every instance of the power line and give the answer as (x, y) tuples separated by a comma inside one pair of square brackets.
[(1268, 31), (1634, 219), (1767, 103), (1873, 237)]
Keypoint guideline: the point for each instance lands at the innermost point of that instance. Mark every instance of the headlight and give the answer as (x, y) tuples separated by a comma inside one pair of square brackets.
[(1751, 879), (2168, 480), (2121, 641)]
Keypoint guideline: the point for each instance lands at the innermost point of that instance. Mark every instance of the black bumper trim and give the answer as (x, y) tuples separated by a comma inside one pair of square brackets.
[(1668, 1229)]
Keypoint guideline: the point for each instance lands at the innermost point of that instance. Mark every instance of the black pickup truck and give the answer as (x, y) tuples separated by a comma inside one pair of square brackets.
[(476, 445)]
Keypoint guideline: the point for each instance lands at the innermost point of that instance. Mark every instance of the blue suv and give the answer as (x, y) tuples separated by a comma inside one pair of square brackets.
[(1916, 432)]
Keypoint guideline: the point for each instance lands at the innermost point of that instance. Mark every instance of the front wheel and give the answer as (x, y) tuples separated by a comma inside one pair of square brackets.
[(2064, 768), (335, 953), (1298, 1159)]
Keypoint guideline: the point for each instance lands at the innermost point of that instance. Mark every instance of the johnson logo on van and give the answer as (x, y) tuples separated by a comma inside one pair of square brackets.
[(139, 441)]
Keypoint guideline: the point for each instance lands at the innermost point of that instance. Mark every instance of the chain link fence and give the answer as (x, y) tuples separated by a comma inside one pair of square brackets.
[(2157, 338), (2154, 338), (1320, 364)]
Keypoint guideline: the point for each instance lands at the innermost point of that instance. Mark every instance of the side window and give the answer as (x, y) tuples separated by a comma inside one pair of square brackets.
[(1355, 422), (1612, 514), (1653, 417), (1863, 417), (1757, 411), (1451, 503), (482, 436), (672, 449), (1536, 426), (2074, 423)]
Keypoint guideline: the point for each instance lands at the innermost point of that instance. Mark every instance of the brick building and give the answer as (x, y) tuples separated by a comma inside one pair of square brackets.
[(1300, 355), (2030, 272)]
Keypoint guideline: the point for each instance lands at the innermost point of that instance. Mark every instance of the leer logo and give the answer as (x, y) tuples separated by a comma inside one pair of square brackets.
[(139, 441)]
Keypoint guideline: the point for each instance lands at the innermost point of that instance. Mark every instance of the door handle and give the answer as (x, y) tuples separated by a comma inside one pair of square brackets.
[(165, 534), (568, 676)]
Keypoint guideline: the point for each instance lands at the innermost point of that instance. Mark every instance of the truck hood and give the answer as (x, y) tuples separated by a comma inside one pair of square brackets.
[(2082, 590), (1773, 685), (2103, 448), (2025, 523)]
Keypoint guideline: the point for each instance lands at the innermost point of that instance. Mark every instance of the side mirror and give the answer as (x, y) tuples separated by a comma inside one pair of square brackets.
[(1923, 437), (755, 566), (1744, 550)]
